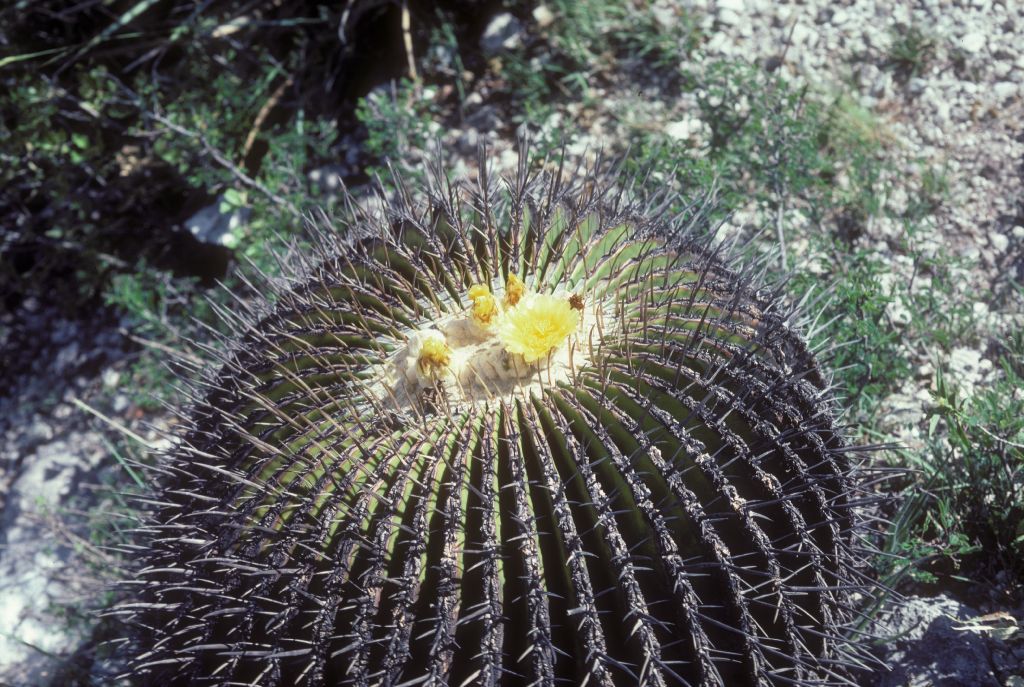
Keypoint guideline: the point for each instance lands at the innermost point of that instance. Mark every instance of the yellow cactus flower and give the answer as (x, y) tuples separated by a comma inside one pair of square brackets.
[(484, 308), (515, 289), (434, 354), (537, 325)]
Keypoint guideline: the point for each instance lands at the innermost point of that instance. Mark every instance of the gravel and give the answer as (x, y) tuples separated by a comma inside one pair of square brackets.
[(53, 464)]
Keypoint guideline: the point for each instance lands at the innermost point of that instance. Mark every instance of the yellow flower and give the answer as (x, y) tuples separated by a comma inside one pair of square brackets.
[(537, 325), (514, 290), (485, 308), (434, 354)]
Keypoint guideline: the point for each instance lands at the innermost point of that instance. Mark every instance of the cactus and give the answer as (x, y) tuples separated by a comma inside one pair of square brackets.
[(528, 433)]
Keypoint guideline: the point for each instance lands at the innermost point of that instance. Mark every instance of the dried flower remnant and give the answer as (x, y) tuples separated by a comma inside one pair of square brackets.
[(514, 290), (484, 306), (433, 355)]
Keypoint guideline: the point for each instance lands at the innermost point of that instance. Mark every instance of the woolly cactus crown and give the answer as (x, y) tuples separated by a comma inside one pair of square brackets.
[(521, 433)]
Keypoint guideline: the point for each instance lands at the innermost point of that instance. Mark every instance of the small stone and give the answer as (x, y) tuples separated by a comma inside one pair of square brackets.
[(1018, 232), (110, 378), (881, 86), (899, 200), (803, 35), (543, 16), (484, 118), (971, 253), (665, 14), (66, 358), (38, 432), (973, 42), (467, 141), (731, 5), (999, 242), (904, 409), (329, 178), (729, 17), (928, 649), (967, 369), (218, 222), (1004, 90), (683, 129), (507, 159), (898, 313), (503, 32), (719, 44)]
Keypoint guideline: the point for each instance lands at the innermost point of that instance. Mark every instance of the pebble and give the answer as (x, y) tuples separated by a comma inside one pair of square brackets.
[(543, 15), (683, 129), (110, 378), (729, 17), (218, 223), (329, 178), (120, 403), (66, 358), (1004, 90), (973, 42), (968, 369), (33, 564), (804, 35), (38, 432), (503, 32)]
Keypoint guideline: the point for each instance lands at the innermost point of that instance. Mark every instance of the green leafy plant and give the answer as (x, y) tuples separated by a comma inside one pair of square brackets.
[(980, 463), (590, 44), (870, 363), (159, 310), (910, 51), (399, 126)]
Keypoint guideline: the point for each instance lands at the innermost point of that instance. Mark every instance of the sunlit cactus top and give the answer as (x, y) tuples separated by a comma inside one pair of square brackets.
[(517, 433)]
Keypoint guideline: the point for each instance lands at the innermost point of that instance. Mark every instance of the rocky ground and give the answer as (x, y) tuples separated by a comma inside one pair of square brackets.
[(957, 105), (959, 108), (57, 483)]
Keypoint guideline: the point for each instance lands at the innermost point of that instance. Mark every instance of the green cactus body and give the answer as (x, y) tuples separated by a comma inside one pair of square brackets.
[(375, 491)]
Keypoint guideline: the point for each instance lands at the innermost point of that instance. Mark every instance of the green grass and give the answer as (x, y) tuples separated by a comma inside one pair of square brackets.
[(910, 51), (976, 459)]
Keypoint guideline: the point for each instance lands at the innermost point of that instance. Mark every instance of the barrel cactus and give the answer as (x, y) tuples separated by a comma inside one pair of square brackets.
[(527, 432)]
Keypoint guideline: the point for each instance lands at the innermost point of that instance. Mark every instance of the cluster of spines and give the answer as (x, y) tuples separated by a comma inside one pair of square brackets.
[(679, 512)]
